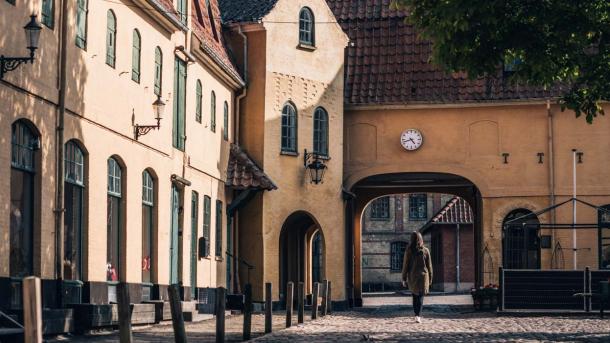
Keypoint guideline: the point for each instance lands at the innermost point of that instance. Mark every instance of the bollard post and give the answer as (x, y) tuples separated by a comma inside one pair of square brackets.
[(124, 307), (301, 303), (329, 300), (220, 314), (247, 313), (324, 309), (32, 310), (314, 300), (289, 303), (268, 308), (177, 317)]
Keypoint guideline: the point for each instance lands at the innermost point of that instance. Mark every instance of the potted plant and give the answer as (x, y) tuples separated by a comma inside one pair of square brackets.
[(485, 298)]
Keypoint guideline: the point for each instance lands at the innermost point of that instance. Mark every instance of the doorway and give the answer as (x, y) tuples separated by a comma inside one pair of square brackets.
[(521, 240), (175, 264)]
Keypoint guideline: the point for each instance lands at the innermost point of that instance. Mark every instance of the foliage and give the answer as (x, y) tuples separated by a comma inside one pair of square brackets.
[(546, 42)]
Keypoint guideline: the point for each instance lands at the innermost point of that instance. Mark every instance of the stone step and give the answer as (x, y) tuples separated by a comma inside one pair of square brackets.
[(57, 321)]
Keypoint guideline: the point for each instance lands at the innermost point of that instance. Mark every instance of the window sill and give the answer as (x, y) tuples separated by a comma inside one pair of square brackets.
[(289, 153), (380, 219), (205, 258), (218, 258), (306, 47)]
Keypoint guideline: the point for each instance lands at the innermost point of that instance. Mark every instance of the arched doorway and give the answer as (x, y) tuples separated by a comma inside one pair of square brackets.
[(521, 240), (302, 252)]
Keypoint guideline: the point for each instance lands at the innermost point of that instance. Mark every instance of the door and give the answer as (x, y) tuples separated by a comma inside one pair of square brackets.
[(174, 232), (521, 240), (194, 219)]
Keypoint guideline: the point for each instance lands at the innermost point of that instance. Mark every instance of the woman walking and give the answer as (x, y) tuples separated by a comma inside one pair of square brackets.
[(417, 272)]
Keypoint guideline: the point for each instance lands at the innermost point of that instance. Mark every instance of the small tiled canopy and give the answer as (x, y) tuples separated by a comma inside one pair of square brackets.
[(244, 174)]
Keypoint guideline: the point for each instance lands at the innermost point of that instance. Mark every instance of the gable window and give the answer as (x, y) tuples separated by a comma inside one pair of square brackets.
[(114, 220), (158, 70), (136, 50), (418, 206), (148, 220), (211, 16), (178, 131), (380, 209), (225, 127), (181, 8), (289, 129), (320, 132), (48, 13), (110, 38), (198, 96), (306, 27), (218, 233), (207, 216), (81, 24), (397, 253), (213, 112), (73, 199)]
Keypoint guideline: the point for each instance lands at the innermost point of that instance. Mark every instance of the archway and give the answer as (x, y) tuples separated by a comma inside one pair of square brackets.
[(521, 240), (302, 252)]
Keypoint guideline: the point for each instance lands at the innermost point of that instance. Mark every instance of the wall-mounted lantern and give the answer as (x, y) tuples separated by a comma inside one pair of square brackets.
[(158, 110), (32, 36), (316, 167)]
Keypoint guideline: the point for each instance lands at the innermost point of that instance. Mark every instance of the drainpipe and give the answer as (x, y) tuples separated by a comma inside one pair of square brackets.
[(244, 91), (457, 258), (59, 142), (551, 163)]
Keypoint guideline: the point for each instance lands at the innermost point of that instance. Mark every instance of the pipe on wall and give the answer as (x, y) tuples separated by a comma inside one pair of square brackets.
[(551, 162)]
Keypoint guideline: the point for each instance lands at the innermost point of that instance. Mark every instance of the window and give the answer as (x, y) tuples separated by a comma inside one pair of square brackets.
[(182, 10), (114, 217), (158, 70), (225, 127), (207, 215), (521, 240), (604, 237), (110, 38), (136, 49), (73, 202), (198, 96), (218, 233), (397, 253), (213, 112), (178, 132), (81, 24), (418, 207), (380, 209), (306, 27), (289, 129), (211, 16), (24, 146), (194, 236), (317, 257), (48, 13), (320, 132), (148, 206)]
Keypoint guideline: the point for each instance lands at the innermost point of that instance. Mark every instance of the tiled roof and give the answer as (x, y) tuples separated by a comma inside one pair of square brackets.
[(387, 63), (456, 211), (245, 10), (243, 173), (212, 41)]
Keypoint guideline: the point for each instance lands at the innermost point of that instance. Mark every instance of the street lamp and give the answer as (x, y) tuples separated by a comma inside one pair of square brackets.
[(158, 110), (316, 167), (32, 36)]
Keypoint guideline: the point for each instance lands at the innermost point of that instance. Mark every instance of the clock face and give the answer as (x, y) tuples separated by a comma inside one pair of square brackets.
[(411, 139)]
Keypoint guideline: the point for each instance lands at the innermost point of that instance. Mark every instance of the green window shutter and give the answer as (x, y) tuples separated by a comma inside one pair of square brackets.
[(182, 11), (198, 96), (207, 215), (218, 245), (213, 112), (81, 24), (158, 70), (179, 104), (225, 128), (48, 13), (135, 56), (110, 39)]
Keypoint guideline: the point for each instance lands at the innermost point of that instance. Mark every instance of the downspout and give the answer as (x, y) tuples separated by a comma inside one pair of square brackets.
[(551, 162), (59, 141), (244, 91), (457, 258)]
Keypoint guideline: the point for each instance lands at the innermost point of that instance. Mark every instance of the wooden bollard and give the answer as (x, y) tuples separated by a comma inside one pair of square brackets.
[(329, 300), (124, 307), (247, 313), (314, 300), (32, 310), (177, 317), (324, 292), (220, 314), (301, 303), (268, 308), (289, 303)]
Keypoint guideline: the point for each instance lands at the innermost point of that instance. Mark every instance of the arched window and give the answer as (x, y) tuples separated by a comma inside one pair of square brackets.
[(81, 23), (213, 112), (320, 132), (110, 38), (289, 128), (397, 253), (225, 127), (115, 219), (136, 51), (24, 146), (604, 237), (148, 222), (73, 201), (198, 96), (158, 70), (521, 240), (317, 258), (306, 27)]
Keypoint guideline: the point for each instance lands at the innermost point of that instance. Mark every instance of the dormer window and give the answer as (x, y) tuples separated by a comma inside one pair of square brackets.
[(306, 27)]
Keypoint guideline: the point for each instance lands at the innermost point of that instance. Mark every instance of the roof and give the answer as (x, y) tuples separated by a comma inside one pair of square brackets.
[(388, 64), (212, 39), (243, 173), (455, 211), (245, 10)]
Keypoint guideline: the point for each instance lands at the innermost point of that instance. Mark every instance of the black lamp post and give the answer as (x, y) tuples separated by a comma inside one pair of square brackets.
[(316, 167), (32, 36), (141, 130)]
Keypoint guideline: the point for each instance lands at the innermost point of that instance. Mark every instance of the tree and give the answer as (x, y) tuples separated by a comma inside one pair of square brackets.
[(546, 42)]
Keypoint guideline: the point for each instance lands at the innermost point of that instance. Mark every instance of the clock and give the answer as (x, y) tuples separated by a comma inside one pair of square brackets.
[(411, 139)]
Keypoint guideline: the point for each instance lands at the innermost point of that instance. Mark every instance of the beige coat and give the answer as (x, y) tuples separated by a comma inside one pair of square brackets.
[(417, 271)]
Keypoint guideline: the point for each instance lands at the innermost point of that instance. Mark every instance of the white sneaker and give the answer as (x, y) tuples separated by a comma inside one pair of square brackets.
[(417, 319)]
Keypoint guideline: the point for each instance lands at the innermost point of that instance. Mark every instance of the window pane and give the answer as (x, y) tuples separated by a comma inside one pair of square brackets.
[(110, 38), (147, 242), (21, 223), (198, 95), (380, 209), (135, 56), (225, 128), (158, 70), (320, 132), (73, 231), (112, 243), (218, 232), (418, 206), (207, 215), (289, 129), (397, 252), (179, 104), (213, 112), (81, 24), (48, 13)]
